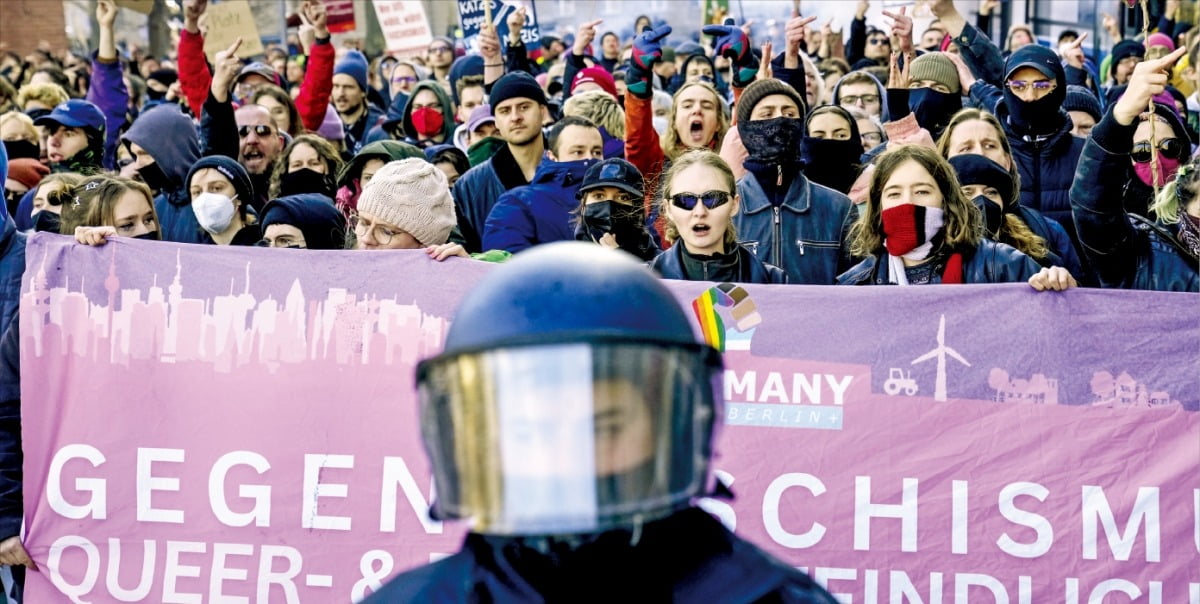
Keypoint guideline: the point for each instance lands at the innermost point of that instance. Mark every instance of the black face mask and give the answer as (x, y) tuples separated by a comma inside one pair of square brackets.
[(623, 221), (154, 177), (832, 163), (1038, 117), (933, 109), (772, 142), (155, 95), (19, 149), (306, 181), (46, 221), (993, 215), (152, 236)]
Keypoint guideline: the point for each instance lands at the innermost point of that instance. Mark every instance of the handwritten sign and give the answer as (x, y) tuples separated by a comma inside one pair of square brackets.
[(225, 22), (404, 26)]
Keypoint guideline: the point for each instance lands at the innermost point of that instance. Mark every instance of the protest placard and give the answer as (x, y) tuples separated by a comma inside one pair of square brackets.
[(211, 422), (472, 15), (404, 25), (339, 16), (227, 21)]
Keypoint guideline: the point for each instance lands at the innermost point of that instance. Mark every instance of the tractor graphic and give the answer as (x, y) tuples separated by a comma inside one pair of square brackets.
[(899, 380)]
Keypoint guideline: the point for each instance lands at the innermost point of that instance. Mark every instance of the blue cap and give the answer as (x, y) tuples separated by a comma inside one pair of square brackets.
[(75, 113)]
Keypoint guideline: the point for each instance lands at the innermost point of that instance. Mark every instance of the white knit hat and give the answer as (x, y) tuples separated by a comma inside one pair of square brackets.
[(414, 195)]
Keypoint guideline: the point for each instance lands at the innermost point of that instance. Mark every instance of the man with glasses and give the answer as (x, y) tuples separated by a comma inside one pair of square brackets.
[(441, 57), (860, 90), (866, 46)]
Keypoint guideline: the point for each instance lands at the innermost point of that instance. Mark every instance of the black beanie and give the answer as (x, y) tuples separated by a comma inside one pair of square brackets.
[(323, 225), (230, 169), (516, 85), (762, 89), (1123, 50), (165, 76), (975, 169), (1080, 98)]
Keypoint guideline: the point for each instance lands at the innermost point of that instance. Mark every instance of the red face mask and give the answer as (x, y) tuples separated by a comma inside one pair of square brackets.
[(907, 227), (428, 121)]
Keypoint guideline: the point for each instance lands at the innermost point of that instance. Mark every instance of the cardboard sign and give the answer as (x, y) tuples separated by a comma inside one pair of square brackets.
[(141, 6), (404, 26), (226, 22), (339, 16), (472, 14)]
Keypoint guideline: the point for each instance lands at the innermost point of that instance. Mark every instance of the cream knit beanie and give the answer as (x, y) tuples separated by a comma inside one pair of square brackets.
[(414, 195)]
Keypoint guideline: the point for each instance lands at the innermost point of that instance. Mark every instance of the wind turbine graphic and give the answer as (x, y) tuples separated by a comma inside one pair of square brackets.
[(939, 391)]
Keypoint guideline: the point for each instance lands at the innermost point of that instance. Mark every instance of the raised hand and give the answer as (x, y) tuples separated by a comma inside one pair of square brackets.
[(898, 76), (226, 66), (1072, 53), (1149, 79), (106, 13), (314, 13), (729, 41), (516, 21), (764, 67), (489, 44), (902, 30), (647, 47), (192, 10), (860, 11), (585, 36), (966, 79)]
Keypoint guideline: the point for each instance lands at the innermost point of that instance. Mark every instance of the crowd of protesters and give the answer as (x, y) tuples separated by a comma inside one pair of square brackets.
[(889, 158)]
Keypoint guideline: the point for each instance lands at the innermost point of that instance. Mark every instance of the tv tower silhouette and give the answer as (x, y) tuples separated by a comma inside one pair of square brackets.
[(939, 391)]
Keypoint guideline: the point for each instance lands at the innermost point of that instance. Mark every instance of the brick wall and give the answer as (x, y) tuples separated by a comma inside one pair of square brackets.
[(25, 23)]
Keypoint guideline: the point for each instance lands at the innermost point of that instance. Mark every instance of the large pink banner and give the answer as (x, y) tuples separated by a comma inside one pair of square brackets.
[(207, 424)]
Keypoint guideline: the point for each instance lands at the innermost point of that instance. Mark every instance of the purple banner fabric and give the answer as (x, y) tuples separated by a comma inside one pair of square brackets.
[(206, 423)]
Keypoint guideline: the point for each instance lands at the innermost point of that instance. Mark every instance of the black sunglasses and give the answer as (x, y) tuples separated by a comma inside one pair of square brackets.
[(1170, 148), (710, 199), (262, 130)]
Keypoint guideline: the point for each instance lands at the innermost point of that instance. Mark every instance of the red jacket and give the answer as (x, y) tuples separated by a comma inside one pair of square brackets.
[(644, 151), (194, 77), (317, 86)]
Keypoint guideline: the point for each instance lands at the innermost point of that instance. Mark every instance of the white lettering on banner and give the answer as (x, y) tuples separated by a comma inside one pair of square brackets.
[(176, 569), (963, 582), (314, 489), (147, 483), (1037, 522), (396, 473), (221, 573), (260, 514), (1196, 519), (54, 563), (864, 511), (286, 579), (824, 575), (112, 577), (806, 389), (771, 515), (901, 588), (1144, 514), (96, 505), (958, 516)]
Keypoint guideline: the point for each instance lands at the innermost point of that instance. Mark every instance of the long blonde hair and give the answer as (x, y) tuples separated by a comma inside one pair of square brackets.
[(671, 146)]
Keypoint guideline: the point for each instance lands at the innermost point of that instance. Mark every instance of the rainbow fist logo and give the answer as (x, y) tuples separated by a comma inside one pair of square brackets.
[(712, 326)]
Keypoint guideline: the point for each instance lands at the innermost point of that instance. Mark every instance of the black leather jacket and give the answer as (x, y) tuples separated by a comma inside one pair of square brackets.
[(750, 269), (1125, 252), (686, 557)]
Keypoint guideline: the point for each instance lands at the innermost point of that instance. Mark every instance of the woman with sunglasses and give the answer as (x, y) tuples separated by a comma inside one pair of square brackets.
[(699, 201), (1127, 250), (918, 228)]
